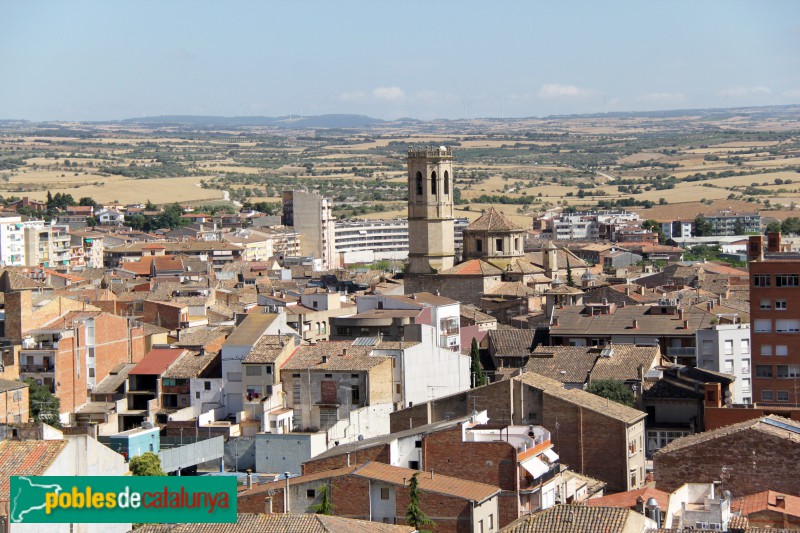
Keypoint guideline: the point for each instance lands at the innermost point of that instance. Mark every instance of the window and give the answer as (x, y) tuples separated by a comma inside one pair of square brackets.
[(478, 245), (708, 348), (745, 366), (419, 183), (761, 280), (355, 398), (269, 369), (763, 325), (311, 494), (780, 305), (446, 183), (766, 349), (498, 245), (787, 325), (781, 350), (491, 522), (252, 370), (766, 304), (433, 182), (413, 465), (235, 377), (767, 396), (728, 369), (384, 493), (631, 447), (787, 280), (91, 371), (783, 395), (745, 346), (480, 526), (417, 444), (398, 389), (729, 347), (746, 386), (207, 385), (633, 477), (197, 395), (788, 371)]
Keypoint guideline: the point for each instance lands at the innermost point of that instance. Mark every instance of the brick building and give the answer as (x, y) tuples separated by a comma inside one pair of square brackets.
[(379, 492), (760, 454), (775, 319), (593, 436), (13, 401), (769, 509)]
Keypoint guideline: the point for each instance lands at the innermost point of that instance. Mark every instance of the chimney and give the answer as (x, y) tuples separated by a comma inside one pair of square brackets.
[(324, 359), (685, 324), (755, 248), (605, 301), (555, 321), (249, 479), (680, 313), (713, 394), (780, 501), (635, 324), (344, 352), (641, 290), (286, 494), (348, 458), (774, 241), (709, 306), (268, 505), (627, 290), (431, 473)]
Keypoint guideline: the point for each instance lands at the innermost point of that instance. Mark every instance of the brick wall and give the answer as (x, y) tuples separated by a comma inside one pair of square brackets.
[(773, 519), (164, 315), (350, 497), (450, 514), (11, 407), (755, 461), (111, 343), (70, 375), (410, 417), (378, 453)]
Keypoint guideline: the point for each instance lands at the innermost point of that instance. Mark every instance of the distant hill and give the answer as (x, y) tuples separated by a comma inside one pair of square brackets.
[(320, 121)]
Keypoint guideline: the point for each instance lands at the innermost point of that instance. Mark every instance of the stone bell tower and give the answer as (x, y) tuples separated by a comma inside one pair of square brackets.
[(431, 246)]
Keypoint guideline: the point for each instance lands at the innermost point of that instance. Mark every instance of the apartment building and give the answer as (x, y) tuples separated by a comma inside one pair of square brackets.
[(312, 216), (12, 241), (775, 319), (725, 348), (590, 225)]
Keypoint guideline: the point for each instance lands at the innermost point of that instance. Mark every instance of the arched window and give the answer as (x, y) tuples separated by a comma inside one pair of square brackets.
[(433, 182), (419, 183), (446, 183)]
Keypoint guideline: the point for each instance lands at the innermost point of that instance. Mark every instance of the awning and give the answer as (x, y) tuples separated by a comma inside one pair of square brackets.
[(535, 467), (551, 455)]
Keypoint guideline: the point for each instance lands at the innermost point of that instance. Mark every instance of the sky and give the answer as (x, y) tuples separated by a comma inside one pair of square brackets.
[(105, 60)]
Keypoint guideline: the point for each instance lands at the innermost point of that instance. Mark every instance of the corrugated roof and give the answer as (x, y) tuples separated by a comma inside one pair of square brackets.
[(157, 361)]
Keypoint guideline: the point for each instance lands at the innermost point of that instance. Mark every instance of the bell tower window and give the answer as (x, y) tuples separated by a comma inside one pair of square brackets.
[(419, 183), (433, 182), (446, 183)]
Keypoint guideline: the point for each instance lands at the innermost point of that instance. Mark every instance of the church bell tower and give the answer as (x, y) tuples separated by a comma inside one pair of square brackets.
[(431, 246)]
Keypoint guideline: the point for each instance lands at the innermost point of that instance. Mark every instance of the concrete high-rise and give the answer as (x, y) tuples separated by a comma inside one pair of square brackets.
[(311, 215), (431, 246)]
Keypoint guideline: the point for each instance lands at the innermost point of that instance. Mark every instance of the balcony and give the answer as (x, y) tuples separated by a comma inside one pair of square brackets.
[(37, 369), (690, 351), (175, 389)]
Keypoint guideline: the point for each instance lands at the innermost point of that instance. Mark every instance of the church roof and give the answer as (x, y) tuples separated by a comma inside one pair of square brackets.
[(493, 220), (473, 267)]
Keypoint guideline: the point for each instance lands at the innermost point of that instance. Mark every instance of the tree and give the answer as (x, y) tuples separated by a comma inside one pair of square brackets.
[(147, 464), (612, 389), (415, 516), (738, 228), (773, 227), (791, 226), (702, 227), (477, 368), (44, 405), (325, 506), (570, 281), (655, 227), (88, 201)]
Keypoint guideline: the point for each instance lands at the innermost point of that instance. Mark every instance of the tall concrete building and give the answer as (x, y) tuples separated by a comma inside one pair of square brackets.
[(430, 210), (311, 215), (775, 319)]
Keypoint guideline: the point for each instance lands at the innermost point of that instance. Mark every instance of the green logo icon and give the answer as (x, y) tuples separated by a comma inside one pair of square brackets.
[(122, 499)]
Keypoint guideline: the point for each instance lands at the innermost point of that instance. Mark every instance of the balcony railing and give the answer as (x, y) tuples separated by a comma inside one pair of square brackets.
[(686, 352), (37, 369)]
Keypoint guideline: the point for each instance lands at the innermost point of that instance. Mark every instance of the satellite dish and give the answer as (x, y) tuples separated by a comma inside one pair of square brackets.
[(361, 437), (728, 401), (147, 424)]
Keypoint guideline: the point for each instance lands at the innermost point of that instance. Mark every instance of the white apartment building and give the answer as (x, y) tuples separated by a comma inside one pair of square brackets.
[(311, 215), (588, 225), (12, 241), (46, 245), (726, 348), (366, 241)]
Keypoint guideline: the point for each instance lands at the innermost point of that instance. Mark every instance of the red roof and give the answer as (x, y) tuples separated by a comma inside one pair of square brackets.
[(26, 458), (629, 499), (767, 501), (154, 246), (157, 361)]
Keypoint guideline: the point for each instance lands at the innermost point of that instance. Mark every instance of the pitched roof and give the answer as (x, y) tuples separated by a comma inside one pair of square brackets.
[(766, 501), (630, 498), (114, 380), (473, 267), (572, 519), (573, 320), (581, 398), (281, 523), (339, 355), (493, 220), (191, 365), (428, 481), (618, 362), (9, 385), (157, 361), (250, 329), (268, 348), (771, 425), (26, 458), (511, 342)]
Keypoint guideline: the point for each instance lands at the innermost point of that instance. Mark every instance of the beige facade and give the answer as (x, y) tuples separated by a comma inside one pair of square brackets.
[(430, 210), (311, 215)]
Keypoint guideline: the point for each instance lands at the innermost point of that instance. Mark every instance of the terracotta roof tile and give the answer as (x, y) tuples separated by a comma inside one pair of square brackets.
[(26, 458), (630, 498), (157, 361), (493, 220), (572, 519), (473, 267), (281, 523), (756, 424)]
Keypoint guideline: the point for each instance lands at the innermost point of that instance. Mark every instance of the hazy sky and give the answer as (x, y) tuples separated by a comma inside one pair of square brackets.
[(111, 59)]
